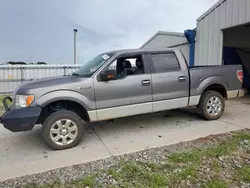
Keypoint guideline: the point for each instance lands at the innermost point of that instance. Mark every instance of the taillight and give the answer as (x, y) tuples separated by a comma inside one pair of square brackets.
[(240, 75)]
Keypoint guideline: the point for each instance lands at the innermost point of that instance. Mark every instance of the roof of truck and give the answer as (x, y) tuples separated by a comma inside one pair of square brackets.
[(140, 50)]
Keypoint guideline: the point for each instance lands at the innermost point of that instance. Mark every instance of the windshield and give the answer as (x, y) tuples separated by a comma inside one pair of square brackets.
[(89, 68)]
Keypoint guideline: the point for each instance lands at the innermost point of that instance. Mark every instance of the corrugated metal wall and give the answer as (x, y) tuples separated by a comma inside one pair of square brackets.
[(209, 40), (13, 75)]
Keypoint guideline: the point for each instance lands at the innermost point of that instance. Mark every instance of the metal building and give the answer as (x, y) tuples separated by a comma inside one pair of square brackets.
[(184, 48), (163, 39), (225, 25)]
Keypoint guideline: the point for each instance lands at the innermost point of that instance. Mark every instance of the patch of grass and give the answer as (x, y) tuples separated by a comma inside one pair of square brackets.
[(167, 167), (1, 97), (189, 171), (216, 166), (113, 172), (241, 136), (134, 176), (53, 184), (216, 184), (84, 182), (227, 147), (154, 167), (223, 149), (155, 180), (184, 174), (186, 157), (244, 173), (1, 104), (143, 177), (129, 171), (178, 167)]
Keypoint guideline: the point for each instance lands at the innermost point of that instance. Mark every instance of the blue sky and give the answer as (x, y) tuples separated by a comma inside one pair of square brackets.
[(42, 30)]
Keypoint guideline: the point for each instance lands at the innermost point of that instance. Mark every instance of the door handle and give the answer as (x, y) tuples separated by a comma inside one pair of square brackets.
[(145, 82), (182, 78)]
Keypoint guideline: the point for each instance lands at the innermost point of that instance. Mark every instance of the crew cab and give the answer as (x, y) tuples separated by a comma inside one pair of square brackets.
[(118, 84)]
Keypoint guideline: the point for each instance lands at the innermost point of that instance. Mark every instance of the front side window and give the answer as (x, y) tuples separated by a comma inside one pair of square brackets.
[(165, 62), (127, 66), (89, 68)]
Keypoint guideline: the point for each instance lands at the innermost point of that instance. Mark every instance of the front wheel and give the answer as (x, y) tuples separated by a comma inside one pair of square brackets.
[(63, 130), (212, 105)]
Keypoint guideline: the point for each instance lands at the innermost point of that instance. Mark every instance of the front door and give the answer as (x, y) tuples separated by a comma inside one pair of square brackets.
[(130, 93), (170, 82)]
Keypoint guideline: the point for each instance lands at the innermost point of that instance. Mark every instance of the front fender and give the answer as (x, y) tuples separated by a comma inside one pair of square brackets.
[(65, 95)]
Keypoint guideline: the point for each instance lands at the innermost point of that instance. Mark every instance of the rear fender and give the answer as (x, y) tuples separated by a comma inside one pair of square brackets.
[(210, 81)]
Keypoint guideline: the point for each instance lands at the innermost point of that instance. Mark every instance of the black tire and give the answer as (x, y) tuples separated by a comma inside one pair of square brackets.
[(202, 107), (59, 115)]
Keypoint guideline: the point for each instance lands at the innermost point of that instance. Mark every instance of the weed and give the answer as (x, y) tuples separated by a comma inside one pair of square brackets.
[(53, 184), (190, 172), (186, 157), (244, 173), (84, 182), (216, 184), (216, 166)]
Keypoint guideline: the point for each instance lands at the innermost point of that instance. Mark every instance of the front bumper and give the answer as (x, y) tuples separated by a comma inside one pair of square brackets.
[(18, 120)]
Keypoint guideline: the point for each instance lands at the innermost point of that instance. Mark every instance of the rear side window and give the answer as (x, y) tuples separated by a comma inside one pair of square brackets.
[(165, 62)]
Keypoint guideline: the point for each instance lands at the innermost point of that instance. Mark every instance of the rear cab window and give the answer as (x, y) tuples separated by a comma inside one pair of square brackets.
[(164, 62)]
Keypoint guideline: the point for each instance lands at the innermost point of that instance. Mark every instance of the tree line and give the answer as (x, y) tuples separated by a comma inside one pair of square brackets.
[(24, 63)]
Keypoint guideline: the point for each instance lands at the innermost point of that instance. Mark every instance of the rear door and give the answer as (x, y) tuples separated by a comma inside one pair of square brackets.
[(170, 81)]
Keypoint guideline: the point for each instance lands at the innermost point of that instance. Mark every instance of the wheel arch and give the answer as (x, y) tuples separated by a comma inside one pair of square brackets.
[(68, 100), (220, 88), (66, 104), (214, 83), (65, 95)]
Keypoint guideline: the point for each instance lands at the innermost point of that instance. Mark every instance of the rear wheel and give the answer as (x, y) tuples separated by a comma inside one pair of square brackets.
[(212, 105), (63, 129)]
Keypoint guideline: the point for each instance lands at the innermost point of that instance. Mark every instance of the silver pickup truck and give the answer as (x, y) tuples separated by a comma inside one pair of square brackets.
[(118, 84)]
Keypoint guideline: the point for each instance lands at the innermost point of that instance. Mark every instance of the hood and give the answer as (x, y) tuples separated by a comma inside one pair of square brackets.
[(46, 85)]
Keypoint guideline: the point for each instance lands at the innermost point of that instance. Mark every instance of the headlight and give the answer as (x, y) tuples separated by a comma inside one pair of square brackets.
[(22, 101)]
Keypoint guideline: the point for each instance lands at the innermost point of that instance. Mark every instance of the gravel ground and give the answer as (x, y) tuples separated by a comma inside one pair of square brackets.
[(215, 161)]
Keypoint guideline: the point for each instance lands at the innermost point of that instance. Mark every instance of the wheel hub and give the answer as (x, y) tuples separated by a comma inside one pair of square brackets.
[(63, 132), (214, 106)]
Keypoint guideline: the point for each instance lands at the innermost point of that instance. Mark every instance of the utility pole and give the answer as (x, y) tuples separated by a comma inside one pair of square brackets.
[(75, 31)]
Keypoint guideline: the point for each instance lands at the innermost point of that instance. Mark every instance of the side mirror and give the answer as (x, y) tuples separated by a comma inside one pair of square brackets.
[(108, 75)]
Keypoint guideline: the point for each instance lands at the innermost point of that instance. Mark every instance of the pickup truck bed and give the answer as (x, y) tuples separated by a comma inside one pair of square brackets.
[(225, 75)]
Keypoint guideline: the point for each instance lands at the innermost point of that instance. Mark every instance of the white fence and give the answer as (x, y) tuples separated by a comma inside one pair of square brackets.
[(13, 75)]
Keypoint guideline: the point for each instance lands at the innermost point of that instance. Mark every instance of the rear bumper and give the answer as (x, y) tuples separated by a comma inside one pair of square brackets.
[(235, 94), (23, 119), (241, 93)]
